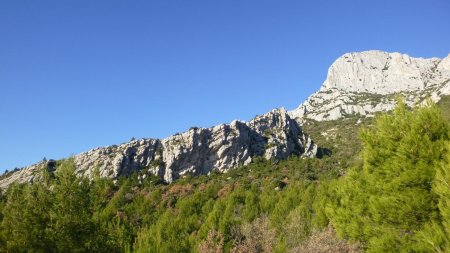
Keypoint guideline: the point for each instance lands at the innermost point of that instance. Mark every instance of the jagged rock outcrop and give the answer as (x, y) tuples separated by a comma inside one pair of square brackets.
[(197, 151), (368, 82), (357, 84)]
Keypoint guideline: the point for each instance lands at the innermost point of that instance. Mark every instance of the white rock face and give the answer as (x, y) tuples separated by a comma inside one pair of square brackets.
[(357, 84), (197, 151), (368, 82)]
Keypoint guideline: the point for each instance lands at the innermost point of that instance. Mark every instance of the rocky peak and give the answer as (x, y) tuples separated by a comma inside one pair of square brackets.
[(197, 151), (357, 84), (366, 82)]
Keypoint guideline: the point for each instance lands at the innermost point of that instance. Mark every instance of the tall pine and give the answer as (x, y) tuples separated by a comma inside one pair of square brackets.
[(388, 200)]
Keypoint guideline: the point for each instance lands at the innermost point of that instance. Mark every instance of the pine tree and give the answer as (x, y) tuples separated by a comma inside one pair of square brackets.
[(26, 217), (436, 235), (389, 199), (71, 226), (442, 189)]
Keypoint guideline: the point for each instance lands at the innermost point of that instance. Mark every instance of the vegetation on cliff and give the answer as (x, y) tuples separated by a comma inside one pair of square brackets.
[(393, 196)]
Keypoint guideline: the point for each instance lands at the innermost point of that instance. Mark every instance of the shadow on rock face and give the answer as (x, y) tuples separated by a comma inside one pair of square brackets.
[(321, 152)]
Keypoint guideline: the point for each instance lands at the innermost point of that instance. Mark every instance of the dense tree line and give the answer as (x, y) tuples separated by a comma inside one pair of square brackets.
[(396, 199), (390, 201)]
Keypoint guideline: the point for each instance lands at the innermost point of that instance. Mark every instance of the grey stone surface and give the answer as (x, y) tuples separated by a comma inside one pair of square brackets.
[(357, 84), (368, 82), (194, 152)]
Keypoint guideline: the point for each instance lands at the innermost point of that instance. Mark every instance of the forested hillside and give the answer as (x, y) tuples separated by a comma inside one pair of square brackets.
[(383, 190)]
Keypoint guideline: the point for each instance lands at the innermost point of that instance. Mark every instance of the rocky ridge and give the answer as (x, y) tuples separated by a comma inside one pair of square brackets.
[(368, 82), (197, 151), (357, 84)]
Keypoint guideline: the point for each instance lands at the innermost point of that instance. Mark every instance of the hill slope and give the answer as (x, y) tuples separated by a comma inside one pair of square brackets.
[(357, 86)]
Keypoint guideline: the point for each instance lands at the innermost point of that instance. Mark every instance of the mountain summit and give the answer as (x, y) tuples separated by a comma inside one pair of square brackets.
[(367, 82)]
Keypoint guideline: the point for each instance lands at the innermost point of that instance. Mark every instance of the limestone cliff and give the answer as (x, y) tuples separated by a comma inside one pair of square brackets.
[(197, 151), (357, 84), (368, 82)]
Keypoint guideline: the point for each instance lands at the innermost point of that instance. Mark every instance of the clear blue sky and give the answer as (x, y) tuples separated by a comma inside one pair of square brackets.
[(77, 74)]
